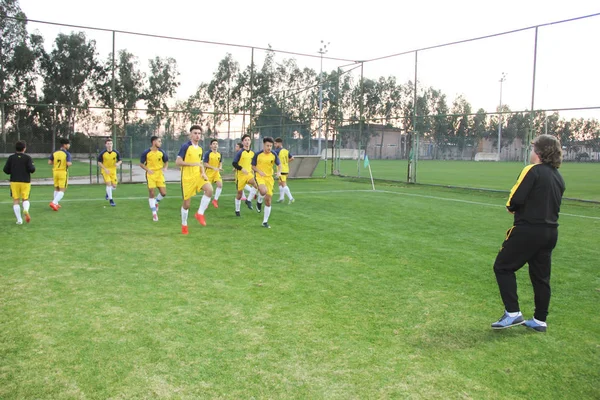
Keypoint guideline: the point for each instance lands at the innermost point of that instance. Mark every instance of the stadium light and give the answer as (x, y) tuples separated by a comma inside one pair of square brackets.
[(323, 50), (500, 116)]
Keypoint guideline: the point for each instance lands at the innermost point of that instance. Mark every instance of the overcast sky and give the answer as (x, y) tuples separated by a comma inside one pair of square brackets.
[(567, 64)]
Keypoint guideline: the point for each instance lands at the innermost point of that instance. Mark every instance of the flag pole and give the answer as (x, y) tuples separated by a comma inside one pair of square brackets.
[(371, 173)]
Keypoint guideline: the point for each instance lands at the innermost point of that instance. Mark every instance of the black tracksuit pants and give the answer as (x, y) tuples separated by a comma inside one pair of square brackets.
[(531, 244)]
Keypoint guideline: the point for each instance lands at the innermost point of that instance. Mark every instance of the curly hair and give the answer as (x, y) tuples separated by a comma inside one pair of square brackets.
[(548, 149)]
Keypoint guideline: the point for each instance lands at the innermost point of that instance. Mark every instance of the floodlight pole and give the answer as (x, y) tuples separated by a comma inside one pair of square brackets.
[(500, 116), (322, 50)]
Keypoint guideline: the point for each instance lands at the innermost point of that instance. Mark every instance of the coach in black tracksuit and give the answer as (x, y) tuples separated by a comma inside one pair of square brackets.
[(535, 202)]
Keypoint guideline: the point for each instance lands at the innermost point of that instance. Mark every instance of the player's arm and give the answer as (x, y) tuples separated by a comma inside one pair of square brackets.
[(51, 159), (69, 162), (143, 161), (255, 165), (205, 161), (6, 168), (521, 190), (165, 161), (290, 157), (278, 163), (30, 165), (100, 164), (119, 161), (106, 171), (236, 162)]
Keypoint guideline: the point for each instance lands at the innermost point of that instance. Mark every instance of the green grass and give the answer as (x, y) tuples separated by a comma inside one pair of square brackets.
[(352, 294), (582, 179)]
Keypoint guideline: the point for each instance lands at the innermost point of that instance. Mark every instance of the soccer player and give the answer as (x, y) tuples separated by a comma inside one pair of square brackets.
[(285, 157), (213, 165), (61, 161), (239, 146), (242, 162), (155, 162), (193, 178), (535, 202), (262, 164), (20, 167), (109, 160)]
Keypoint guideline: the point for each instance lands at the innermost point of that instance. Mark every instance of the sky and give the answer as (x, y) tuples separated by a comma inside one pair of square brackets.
[(567, 56)]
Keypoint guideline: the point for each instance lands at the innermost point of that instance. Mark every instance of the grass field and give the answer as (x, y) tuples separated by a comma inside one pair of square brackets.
[(583, 179), (352, 294)]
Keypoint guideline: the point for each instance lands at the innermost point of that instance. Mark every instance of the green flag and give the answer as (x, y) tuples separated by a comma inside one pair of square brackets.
[(366, 161)]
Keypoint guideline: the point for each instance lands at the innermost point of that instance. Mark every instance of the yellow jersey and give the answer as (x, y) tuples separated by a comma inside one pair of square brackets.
[(154, 160), (284, 157), (243, 159), (265, 161), (109, 158), (60, 159), (190, 154)]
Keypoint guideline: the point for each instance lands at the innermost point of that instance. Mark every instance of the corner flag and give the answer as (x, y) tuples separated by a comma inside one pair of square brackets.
[(367, 164)]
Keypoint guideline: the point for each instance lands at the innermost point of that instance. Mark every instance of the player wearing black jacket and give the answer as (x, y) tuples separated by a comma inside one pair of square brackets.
[(535, 202), (20, 167)]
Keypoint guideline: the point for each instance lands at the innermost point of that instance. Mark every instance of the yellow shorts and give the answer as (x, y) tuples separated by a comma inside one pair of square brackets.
[(213, 176), (110, 178), (189, 187), (243, 179), (61, 179), (20, 190), (283, 177), (268, 181), (156, 180)]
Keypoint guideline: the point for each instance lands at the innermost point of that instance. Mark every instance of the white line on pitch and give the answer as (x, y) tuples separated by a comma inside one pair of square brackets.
[(330, 192)]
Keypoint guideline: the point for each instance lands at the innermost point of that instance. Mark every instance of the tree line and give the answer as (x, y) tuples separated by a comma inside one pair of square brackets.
[(69, 91)]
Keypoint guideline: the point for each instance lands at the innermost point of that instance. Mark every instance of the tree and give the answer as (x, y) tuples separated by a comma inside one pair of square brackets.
[(463, 134), (223, 95), (69, 70), (162, 84), (129, 84), (20, 55)]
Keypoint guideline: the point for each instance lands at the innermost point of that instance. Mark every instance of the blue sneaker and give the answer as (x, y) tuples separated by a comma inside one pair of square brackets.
[(106, 196), (249, 204), (530, 323), (506, 321), (112, 203), (258, 207)]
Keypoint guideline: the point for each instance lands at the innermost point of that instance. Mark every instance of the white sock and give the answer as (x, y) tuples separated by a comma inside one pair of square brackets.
[(260, 198), (54, 195), (109, 192), (238, 203), (267, 212), (204, 202), (152, 203), (58, 197), (542, 323), (513, 314), (251, 194), (247, 188), (159, 197), (17, 210), (184, 215), (289, 194), (218, 193), (26, 205), (281, 193), (244, 195)]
